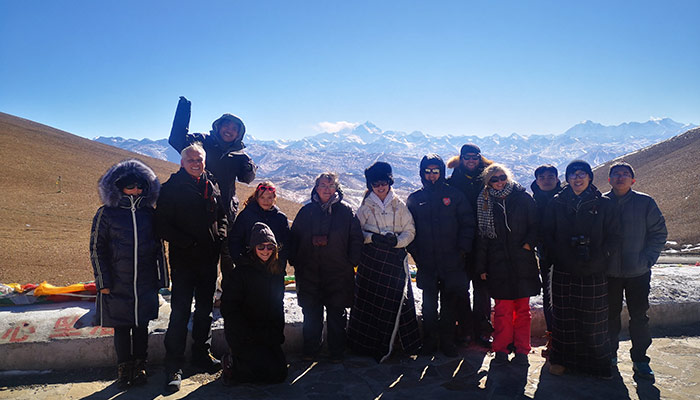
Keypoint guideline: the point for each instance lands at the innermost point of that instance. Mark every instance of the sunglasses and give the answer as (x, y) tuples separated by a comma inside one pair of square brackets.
[(379, 184), (262, 188), (134, 186), (578, 175), (332, 186), (435, 171), (501, 178), (474, 158), (262, 247)]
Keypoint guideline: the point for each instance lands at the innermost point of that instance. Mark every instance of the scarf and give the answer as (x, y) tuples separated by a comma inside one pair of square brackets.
[(484, 208), (326, 207)]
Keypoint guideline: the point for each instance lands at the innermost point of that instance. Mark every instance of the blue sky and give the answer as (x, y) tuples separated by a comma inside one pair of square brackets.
[(289, 68)]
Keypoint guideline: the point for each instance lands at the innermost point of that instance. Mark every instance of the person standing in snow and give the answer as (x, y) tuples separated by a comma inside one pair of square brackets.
[(474, 323), (128, 262), (505, 259), (226, 159), (326, 245), (544, 187), (383, 312), (643, 237), (444, 233)]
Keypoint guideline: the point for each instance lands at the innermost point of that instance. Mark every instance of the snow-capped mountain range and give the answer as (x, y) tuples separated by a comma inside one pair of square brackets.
[(293, 164)]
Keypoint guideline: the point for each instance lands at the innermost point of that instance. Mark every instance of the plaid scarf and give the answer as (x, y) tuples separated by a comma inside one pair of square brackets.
[(484, 208)]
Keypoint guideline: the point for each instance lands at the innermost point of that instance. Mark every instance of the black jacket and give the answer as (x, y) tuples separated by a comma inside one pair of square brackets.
[(542, 199), (469, 183), (644, 234), (123, 226), (445, 226), (191, 218), (325, 274), (582, 232), (252, 305), (226, 161), (239, 235), (511, 270)]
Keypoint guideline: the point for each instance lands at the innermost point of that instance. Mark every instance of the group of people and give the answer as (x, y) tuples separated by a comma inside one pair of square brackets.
[(477, 229)]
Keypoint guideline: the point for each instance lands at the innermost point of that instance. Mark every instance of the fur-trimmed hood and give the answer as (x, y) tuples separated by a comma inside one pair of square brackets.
[(110, 193)]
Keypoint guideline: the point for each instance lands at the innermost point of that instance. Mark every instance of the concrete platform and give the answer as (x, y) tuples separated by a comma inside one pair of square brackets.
[(60, 336)]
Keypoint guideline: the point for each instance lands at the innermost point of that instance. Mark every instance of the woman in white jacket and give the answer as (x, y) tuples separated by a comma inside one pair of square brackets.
[(383, 313)]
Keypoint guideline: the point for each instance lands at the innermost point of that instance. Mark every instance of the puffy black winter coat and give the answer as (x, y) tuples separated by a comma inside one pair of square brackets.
[(226, 161), (126, 255), (191, 218), (325, 274), (239, 235), (511, 270), (571, 221), (470, 184), (445, 226), (252, 305), (644, 234)]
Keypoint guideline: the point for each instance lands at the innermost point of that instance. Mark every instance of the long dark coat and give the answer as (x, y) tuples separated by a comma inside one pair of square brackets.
[(445, 227), (239, 235), (325, 274), (511, 270), (226, 161), (126, 255), (588, 217)]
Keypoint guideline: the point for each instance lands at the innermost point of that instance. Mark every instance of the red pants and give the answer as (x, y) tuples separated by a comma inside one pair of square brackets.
[(511, 324)]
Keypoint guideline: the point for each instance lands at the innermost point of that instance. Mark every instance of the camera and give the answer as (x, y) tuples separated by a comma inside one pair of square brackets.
[(581, 243)]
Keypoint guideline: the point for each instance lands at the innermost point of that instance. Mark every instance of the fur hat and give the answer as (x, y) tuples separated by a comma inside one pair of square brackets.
[(379, 171), (261, 233), (579, 165)]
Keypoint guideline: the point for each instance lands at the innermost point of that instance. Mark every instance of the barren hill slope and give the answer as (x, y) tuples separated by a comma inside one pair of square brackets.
[(44, 234), (670, 172)]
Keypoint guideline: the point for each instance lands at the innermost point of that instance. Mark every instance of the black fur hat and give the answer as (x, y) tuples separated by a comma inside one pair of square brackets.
[(379, 171)]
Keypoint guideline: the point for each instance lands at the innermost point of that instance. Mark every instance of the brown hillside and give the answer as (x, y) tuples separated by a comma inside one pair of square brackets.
[(670, 172), (45, 234)]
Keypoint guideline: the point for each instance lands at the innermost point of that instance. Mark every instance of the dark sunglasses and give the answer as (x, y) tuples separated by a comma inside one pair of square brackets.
[(134, 186), (435, 171), (475, 158), (495, 179), (262, 247), (263, 188), (379, 184)]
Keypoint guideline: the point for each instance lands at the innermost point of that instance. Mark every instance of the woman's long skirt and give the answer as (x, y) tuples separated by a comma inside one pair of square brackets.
[(384, 312), (580, 323)]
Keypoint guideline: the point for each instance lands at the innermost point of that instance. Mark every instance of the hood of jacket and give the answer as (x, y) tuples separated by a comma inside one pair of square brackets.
[(237, 144), (110, 193), (431, 159)]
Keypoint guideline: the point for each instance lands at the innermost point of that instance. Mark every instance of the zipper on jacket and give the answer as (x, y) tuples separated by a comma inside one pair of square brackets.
[(136, 261)]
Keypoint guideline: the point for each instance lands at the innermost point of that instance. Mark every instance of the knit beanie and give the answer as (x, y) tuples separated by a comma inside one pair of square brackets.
[(261, 233), (469, 148), (379, 171), (578, 165)]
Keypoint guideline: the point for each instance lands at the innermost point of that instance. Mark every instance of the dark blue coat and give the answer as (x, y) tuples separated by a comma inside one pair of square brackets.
[(444, 227), (126, 255), (239, 235)]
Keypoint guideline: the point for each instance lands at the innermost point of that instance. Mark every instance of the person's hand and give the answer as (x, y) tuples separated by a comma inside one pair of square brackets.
[(104, 290), (391, 239), (483, 276), (527, 247)]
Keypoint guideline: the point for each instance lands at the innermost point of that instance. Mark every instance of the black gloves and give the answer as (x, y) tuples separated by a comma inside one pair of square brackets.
[(387, 240)]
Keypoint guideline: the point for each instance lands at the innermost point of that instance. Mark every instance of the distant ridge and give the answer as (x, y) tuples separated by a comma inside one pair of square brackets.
[(670, 172)]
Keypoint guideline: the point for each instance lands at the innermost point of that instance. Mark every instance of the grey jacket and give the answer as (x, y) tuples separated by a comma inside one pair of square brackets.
[(643, 234)]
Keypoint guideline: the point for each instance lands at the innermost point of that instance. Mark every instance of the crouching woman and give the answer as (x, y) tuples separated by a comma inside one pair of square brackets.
[(128, 263), (253, 311)]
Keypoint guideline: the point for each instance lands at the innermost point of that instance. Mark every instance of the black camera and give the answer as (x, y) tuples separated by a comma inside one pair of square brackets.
[(581, 243)]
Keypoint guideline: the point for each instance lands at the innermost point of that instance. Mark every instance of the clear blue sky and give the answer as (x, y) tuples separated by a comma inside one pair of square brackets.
[(442, 67)]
